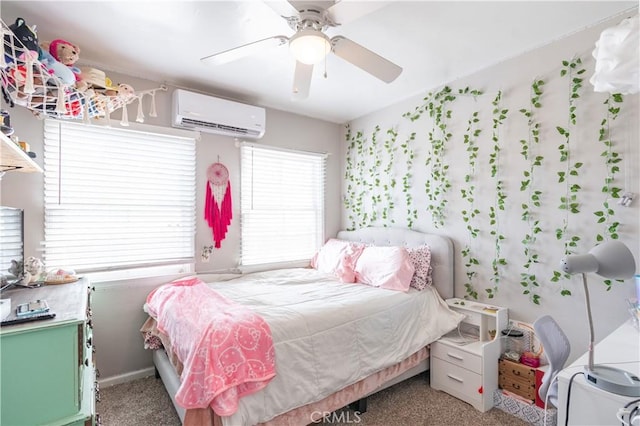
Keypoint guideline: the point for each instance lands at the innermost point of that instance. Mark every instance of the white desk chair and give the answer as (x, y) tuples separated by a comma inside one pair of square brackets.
[(556, 347)]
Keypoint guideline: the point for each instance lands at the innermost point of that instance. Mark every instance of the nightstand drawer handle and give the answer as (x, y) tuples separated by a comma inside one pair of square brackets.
[(515, 372), (454, 356), (457, 379)]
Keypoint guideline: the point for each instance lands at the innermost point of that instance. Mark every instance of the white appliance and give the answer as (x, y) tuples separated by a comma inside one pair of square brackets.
[(203, 113)]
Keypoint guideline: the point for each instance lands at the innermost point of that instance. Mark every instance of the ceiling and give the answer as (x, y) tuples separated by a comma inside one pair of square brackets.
[(434, 42)]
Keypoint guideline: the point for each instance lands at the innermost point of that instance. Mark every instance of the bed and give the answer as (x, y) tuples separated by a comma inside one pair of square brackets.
[(355, 341)]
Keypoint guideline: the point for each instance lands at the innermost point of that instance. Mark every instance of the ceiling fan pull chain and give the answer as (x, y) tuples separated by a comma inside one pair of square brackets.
[(325, 67)]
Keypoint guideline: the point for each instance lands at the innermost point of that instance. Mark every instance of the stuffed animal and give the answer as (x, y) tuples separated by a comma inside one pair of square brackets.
[(63, 72), (16, 268), (67, 54), (126, 92), (19, 45), (34, 267), (22, 42)]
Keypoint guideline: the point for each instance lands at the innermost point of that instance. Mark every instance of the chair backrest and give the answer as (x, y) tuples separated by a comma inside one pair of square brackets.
[(557, 348)]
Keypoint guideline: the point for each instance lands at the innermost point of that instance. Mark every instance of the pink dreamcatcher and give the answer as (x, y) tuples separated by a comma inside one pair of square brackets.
[(217, 208)]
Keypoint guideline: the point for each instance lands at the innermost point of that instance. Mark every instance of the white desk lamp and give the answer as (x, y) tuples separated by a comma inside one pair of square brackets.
[(611, 259)]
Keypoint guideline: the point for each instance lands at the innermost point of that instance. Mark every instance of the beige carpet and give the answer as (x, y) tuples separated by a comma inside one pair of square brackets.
[(145, 402)]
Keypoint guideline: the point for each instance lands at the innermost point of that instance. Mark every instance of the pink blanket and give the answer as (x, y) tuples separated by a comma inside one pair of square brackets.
[(226, 349)]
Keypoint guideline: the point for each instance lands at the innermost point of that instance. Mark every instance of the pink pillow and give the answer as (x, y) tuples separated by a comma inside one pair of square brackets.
[(421, 260), (385, 267), (339, 258)]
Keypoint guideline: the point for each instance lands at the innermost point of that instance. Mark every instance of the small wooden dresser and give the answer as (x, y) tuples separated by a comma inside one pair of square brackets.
[(517, 378), (47, 371)]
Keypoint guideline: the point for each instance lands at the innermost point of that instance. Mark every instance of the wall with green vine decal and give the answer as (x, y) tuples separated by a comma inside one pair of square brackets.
[(500, 161), (497, 209), (570, 172), (469, 214), (371, 179), (528, 279), (612, 159), (437, 106)]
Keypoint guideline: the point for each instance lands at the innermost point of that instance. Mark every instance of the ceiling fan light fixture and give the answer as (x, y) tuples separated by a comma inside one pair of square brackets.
[(309, 46)]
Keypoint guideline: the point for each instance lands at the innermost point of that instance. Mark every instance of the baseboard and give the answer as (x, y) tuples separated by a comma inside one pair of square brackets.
[(127, 377)]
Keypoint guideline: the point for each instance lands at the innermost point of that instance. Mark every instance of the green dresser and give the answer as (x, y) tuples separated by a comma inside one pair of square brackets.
[(47, 371)]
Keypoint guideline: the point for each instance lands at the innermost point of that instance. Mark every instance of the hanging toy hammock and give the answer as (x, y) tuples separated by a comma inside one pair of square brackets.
[(217, 209)]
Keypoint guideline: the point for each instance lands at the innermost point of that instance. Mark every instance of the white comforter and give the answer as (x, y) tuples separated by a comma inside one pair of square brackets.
[(329, 335)]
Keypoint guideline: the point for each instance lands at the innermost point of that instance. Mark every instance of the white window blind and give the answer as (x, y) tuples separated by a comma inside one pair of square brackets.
[(11, 242), (282, 204), (117, 198)]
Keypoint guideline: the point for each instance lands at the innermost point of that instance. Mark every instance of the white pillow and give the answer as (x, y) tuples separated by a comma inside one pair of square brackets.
[(385, 267), (338, 257)]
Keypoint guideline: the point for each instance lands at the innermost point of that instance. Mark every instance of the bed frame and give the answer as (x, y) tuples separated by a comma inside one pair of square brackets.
[(443, 278)]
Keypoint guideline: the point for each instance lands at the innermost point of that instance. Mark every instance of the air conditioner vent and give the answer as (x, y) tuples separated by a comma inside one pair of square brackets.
[(238, 130)]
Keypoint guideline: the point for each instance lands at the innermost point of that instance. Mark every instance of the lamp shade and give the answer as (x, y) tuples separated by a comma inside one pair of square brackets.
[(611, 259), (309, 46)]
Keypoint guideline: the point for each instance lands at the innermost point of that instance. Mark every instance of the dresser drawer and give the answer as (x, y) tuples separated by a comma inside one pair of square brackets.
[(520, 387), (457, 357), (461, 383), (516, 370)]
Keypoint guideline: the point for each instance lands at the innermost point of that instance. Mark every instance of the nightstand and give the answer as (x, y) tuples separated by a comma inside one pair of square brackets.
[(467, 367)]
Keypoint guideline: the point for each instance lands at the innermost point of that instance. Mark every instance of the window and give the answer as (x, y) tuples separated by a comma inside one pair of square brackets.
[(11, 243), (117, 198), (282, 204)]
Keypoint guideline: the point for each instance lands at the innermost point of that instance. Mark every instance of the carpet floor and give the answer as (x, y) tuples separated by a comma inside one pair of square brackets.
[(145, 402)]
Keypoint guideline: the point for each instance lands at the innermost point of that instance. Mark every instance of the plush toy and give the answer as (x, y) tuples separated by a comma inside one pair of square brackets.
[(126, 92), (63, 72), (34, 267), (67, 54), (16, 268), (118, 96), (22, 42), (20, 46)]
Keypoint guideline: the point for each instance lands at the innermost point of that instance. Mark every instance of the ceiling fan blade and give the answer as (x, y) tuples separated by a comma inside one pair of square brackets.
[(365, 59), (345, 11), (301, 81), (245, 50), (282, 8)]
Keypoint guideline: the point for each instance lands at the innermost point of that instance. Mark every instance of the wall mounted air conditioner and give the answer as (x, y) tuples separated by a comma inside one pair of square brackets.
[(208, 114)]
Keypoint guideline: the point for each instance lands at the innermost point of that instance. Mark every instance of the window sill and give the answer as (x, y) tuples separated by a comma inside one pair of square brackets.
[(138, 273), (246, 269)]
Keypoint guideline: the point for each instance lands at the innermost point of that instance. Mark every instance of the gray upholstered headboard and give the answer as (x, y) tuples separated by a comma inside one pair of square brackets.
[(441, 250)]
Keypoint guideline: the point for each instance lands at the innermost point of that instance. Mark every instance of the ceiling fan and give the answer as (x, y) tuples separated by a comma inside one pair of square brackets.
[(310, 45)]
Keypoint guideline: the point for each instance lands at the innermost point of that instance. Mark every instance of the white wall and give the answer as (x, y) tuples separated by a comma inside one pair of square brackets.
[(118, 305), (514, 78)]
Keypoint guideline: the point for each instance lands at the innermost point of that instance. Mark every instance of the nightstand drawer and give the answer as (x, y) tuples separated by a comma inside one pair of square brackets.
[(457, 357), (461, 383)]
